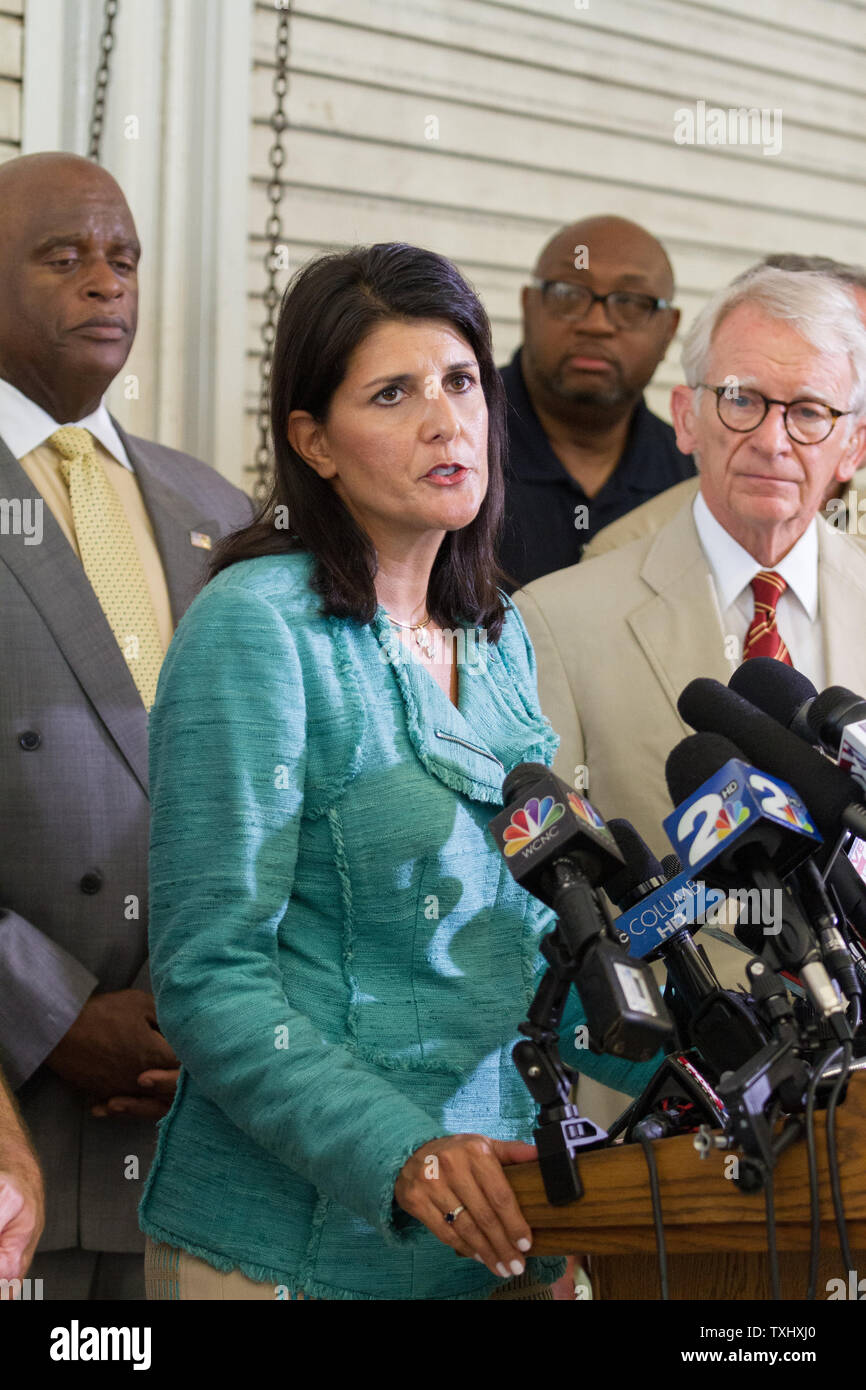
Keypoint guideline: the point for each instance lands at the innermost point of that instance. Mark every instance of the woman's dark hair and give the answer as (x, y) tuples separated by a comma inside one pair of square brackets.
[(329, 308)]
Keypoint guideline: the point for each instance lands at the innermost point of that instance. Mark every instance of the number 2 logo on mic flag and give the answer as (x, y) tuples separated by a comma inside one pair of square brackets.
[(727, 805)]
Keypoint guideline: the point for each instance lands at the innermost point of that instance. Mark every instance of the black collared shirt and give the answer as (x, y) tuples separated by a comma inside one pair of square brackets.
[(548, 516)]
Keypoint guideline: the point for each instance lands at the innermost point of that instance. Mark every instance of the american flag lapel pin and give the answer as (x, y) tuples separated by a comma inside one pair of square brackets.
[(201, 539)]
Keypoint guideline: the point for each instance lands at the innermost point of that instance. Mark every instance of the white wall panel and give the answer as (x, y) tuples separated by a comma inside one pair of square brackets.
[(548, 112), (176, 136), (11, 44)]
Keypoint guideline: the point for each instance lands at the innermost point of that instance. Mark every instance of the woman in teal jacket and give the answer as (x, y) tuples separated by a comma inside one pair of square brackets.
[(339, 954)]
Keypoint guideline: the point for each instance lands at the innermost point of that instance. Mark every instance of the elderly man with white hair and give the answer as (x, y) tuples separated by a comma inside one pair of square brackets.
[(776, 373), (844, 505)]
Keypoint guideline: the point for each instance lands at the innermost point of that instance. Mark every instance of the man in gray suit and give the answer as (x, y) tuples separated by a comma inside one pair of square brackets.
[(103, 544)]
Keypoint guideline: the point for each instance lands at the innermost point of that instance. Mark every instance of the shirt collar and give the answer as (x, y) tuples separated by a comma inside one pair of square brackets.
[(734, 568), (24, 425)]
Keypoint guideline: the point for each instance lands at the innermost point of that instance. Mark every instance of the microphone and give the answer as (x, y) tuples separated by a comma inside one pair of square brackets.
[(545, 824), (837, 717), (789, 697), (641, 873), (732, 823), (557, 846), (831, 714), (671, 866), (718, 1022), (656, 900), (847, 885), (833, 798), (781, 691), (820, 910), (835, 720), (725, 805), (654, 904)]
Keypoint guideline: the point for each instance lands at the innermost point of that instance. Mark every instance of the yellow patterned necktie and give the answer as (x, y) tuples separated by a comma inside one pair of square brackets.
[(110, 557)]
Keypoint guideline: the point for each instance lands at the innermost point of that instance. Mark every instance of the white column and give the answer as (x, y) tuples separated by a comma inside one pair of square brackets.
[(175, 137)]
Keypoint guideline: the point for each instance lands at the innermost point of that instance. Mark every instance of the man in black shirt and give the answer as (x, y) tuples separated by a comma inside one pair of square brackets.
[(584, 449)]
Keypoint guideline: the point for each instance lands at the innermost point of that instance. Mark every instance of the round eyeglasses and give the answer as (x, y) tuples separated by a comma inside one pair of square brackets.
[(807, 422), (622, 308)]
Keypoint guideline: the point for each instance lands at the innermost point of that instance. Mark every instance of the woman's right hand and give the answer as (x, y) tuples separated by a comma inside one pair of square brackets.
[(466, 1170)]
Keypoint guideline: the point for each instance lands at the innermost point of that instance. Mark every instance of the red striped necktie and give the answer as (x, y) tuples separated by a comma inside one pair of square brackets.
[(763, 638)]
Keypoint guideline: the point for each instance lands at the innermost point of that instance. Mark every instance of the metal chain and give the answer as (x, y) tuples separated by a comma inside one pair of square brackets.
[(103, 72), (274, 231)]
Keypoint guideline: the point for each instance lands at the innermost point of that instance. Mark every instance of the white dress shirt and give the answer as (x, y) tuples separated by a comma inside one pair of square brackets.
[(797, 612), (24, 425)]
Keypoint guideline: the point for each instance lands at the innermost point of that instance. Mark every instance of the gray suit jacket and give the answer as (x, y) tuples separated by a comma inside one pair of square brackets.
[(74, 828)]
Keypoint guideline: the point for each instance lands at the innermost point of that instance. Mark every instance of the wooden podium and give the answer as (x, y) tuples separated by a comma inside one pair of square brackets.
[(715, 1233)]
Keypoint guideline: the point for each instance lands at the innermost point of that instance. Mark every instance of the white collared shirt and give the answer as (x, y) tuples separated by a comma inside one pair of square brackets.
[(797, 612), (24, 425), (26, 428)]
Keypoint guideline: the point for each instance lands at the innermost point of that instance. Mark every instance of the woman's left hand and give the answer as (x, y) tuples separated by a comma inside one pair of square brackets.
[(465, 1171)]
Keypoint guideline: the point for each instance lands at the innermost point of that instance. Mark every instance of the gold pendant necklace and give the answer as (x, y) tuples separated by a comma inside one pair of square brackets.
[(422, 638)]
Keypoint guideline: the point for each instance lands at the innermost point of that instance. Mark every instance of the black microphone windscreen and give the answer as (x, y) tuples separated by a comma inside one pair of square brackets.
[(671, 866), (827, 791), (832, 710), (640, 863), (773, 687), (520, 779), (695, 759)]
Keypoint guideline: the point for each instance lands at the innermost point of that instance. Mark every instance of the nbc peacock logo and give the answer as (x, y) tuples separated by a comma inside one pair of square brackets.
[(537, 815), (794, 814), (732, 814), (586, 811)]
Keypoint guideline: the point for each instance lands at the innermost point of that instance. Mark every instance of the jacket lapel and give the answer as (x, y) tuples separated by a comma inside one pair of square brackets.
[(52, 576), (842, 604), (679, 628), (174, 518), (471, 746)]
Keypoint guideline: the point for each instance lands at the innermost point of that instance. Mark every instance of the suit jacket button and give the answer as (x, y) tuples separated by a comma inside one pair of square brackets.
[(91, 883), (30, 740)]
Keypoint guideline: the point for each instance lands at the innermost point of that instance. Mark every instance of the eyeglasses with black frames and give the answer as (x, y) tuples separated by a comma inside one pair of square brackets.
[(807, 422), (623, 308)]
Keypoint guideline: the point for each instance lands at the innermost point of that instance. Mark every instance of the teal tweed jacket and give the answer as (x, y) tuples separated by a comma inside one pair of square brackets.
[(339, 955)]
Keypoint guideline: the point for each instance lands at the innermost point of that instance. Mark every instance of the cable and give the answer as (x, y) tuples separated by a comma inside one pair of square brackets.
[(622, 1121), (772, 1252), (770, 1211), (833, 1155), (855, 1014), (658, 1219), (812, 1159)]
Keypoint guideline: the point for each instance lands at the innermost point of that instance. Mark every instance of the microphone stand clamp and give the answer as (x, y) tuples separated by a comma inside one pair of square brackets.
[(561, 1131)]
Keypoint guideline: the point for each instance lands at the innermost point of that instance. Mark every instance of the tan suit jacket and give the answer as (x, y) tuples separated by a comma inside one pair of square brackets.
[(650, 516), (617, 638)]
